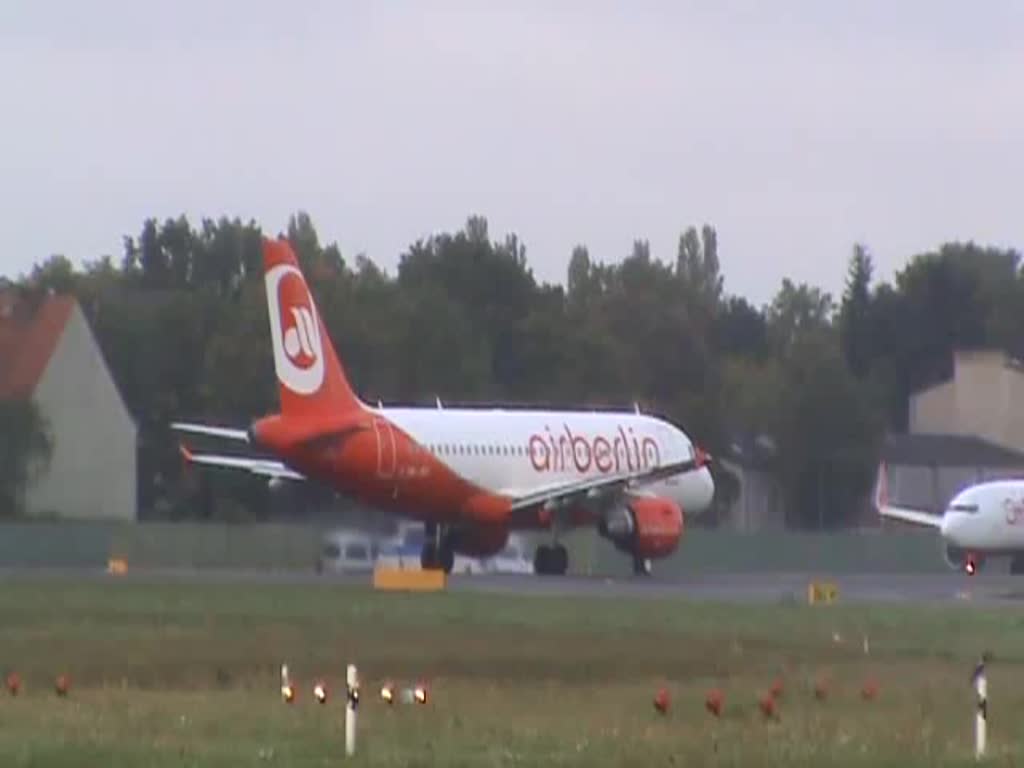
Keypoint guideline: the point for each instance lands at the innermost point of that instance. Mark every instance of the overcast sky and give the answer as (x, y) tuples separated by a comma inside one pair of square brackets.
[(795, 128)]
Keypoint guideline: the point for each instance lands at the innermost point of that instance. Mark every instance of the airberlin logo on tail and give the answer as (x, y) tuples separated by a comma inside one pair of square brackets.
[(294, 331), (563, 451)]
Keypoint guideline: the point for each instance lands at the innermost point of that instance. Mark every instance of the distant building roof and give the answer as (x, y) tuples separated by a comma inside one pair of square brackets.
[(28, 338), (948, 451)]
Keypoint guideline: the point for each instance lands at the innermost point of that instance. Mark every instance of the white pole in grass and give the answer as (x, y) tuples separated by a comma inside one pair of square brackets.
[(352, 683), (981, 716)]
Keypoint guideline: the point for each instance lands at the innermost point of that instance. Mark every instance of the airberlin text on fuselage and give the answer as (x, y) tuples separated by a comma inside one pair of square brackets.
[(561, 451)]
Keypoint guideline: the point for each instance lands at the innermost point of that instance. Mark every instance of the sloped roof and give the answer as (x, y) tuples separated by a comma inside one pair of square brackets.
[(28, 338), (948, 451)]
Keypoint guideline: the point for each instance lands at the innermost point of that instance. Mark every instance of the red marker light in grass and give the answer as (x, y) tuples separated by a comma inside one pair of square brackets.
[(776, 690), (13, 684), (62, 685), (320, 692), (662, 701), (713, 702), (767, 706), (870, 689)]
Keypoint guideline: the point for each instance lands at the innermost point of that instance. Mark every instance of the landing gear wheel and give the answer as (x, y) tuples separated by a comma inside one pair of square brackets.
[(447, 558), (551, 560), (429, 560), (434, 558), (641, 566)]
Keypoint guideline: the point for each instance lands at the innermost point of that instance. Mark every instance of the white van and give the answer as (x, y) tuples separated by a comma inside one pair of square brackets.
[(346, 552)]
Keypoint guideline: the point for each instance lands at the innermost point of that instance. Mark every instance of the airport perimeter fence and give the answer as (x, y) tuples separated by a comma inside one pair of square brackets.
[(296, 548)]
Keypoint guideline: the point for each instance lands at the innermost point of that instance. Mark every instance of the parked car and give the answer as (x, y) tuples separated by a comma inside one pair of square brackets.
[(346, 552)]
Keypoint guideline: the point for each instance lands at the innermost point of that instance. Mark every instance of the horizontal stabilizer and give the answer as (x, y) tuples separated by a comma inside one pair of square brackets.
[(262, 467), (211, 431)]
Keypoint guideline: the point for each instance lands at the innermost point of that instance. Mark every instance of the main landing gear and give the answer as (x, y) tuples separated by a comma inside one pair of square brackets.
[(641, 566), (551, 560), (437, 553)]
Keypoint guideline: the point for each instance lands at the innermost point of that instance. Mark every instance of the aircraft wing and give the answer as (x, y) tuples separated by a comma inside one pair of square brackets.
[(604, 486), (903, 514), (915, 516), (263, 467)]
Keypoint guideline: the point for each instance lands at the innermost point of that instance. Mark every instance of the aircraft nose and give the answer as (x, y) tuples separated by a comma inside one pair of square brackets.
[(949, 528), (707, 488)]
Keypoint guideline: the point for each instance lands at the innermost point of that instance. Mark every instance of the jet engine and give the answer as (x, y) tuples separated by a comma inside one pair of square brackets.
[(478, 540), (962, 560), (645, 527)]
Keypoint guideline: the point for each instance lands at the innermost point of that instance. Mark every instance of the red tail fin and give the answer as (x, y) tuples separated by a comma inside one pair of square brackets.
[(311, 382)]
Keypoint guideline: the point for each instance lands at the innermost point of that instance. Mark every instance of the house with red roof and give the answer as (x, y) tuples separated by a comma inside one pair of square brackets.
[(49, 354)]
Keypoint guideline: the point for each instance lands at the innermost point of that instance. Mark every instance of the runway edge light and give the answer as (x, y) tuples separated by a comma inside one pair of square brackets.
[(13, 683), (320, 691), (287, 691), (420, 693), (351, 706)]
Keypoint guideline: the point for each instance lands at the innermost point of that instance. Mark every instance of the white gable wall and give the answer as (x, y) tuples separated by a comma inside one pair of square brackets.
[(92, 473)]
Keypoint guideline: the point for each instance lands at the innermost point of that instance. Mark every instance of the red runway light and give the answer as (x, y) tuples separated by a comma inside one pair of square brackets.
[(776, 690), (713, 702), (767, 705), (62, 685), (662, 701), (870, 690), (13, 683)]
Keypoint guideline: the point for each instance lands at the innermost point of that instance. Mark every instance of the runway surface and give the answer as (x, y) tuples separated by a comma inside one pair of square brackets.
[(952, 588)]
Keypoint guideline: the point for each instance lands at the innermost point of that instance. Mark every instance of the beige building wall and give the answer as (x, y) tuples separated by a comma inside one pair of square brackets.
[(758, 507), (92, 472), (984, 398)]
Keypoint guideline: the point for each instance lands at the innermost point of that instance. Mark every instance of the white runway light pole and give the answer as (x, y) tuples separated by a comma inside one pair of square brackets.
[(981, 716), (351, 705)]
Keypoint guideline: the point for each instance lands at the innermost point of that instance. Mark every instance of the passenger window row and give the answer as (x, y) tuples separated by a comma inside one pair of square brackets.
[(447, 449)]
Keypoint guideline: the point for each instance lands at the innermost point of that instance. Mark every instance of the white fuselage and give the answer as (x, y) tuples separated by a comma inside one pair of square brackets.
[(521, 451), (988, 517)]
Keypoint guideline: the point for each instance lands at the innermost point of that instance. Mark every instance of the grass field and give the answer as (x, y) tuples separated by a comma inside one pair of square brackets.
[(189, 676)]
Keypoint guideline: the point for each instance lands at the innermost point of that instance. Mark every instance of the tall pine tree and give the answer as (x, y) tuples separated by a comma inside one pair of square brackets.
[(854, 313)]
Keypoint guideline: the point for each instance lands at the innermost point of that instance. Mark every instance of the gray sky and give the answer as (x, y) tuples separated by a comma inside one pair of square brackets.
[(795, 128)]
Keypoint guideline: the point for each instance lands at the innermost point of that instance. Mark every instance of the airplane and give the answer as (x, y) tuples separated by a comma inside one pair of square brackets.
[(470, 475), (981, 521)]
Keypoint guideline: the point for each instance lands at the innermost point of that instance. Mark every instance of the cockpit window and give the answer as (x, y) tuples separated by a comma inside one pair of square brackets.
[(969, 508)]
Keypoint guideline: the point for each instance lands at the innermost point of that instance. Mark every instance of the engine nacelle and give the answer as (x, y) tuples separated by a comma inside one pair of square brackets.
[(478, 540), (962, 560), (644, 527)]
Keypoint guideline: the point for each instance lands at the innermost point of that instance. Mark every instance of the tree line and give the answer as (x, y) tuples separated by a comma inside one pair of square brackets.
[(181, 319)]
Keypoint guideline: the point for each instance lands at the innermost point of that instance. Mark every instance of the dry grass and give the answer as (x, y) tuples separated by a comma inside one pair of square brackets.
[(187, 676)]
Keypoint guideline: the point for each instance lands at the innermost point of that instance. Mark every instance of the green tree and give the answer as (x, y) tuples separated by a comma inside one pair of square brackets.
[(25, 449), (855, 331)]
